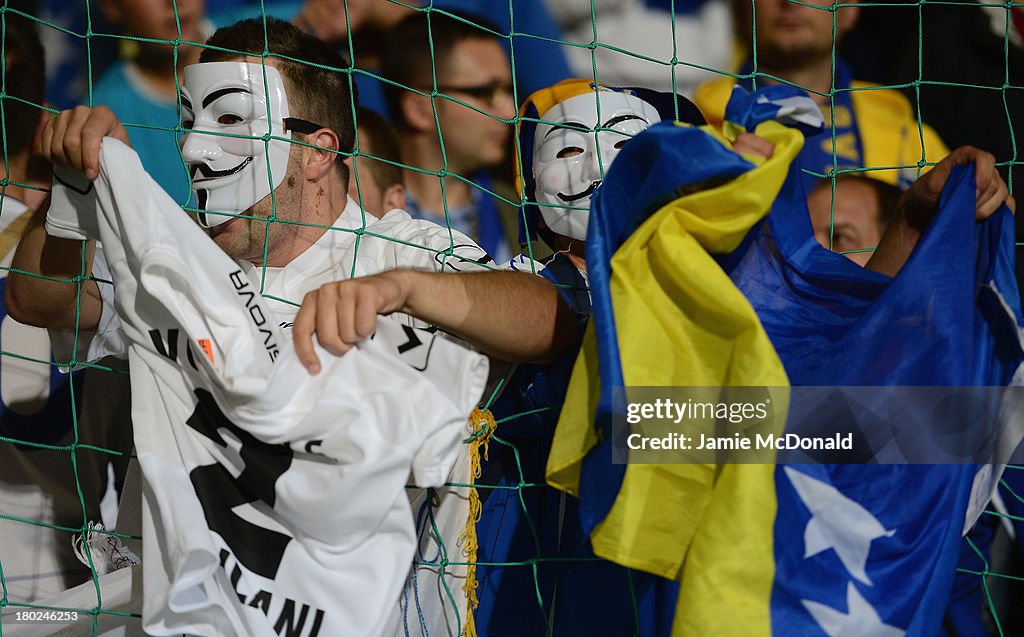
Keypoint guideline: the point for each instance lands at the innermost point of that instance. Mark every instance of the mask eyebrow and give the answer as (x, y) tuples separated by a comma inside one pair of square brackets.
[(623, 118), (186, 103), (569, 125), (216, 95)]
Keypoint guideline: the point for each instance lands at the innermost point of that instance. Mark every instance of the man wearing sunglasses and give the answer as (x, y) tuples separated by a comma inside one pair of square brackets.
[(452, 141)]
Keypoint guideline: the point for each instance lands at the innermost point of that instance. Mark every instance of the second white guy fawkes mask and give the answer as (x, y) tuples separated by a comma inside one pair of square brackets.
[(570, 159), (230, 172)]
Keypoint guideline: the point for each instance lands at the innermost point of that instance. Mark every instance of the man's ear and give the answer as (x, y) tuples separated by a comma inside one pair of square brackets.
[(394, 197), (320, 160), (417, 112), (37, 135), (846, 19)]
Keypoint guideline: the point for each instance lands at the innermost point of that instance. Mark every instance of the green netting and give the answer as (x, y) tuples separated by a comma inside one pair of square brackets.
[(76, 462)]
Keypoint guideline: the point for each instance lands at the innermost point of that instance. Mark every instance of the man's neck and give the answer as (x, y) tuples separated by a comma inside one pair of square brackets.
[(815, 76), (425, 188), (322, 204)]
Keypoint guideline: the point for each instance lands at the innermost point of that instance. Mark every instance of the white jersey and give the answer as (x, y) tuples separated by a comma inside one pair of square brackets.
[(357, 245), (274, 502)]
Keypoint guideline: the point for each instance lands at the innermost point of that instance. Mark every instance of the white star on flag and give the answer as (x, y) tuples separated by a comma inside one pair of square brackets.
[(860, 620), (837, 523)]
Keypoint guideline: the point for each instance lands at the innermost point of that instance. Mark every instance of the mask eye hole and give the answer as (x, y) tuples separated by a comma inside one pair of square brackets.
[(622, 142), (569, 151), (229, 119)]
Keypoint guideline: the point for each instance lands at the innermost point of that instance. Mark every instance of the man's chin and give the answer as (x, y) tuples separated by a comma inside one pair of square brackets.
[(228, 223), (790, 54)]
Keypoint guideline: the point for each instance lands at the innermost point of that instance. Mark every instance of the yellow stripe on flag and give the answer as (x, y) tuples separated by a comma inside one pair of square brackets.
[(681, 322)]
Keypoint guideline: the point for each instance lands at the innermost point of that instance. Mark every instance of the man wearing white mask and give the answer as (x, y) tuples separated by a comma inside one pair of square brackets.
[(581, 127), (569, 134), (269, 183), (266, 142)]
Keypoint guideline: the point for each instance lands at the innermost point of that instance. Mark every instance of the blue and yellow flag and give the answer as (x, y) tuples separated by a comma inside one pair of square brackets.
[(665, 313), (692, 298)]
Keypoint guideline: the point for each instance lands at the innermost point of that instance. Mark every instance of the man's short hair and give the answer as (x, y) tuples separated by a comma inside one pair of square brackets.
[(319, 95), (409, 60), (24, 81), (377, 137)]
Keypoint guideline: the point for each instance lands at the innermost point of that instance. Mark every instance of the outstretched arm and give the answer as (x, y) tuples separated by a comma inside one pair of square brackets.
[(920, 202), (509, 315)]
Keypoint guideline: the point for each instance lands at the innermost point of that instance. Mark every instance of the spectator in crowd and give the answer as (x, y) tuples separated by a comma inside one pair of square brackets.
[(865, 128), (459, 136), (566, 150), (855, 219), (142, 87), (38, 404), (377, 185), (309, 189), (653, 43), (367, 22), (304, 187)]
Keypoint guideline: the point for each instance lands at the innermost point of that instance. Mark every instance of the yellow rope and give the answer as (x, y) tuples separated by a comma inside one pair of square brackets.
[(482, 426)]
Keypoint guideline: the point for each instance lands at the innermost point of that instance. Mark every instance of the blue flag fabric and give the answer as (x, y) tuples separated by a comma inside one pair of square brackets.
[(784, 104), (857, 549), (949, 318)]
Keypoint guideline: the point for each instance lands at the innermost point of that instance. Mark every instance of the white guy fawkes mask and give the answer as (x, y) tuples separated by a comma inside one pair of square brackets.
[(229, 173), (566, 165)]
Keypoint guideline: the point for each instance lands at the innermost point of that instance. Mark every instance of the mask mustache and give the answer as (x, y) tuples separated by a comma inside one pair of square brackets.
[(583, 195), (210, 173)]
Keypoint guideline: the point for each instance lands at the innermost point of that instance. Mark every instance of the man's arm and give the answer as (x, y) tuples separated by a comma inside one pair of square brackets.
[(509, 315), (72, 139), (920, 202), (43, 302)]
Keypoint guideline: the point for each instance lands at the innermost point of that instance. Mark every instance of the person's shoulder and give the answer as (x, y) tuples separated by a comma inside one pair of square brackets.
[(113, 81), (124, 91), (420, 243), (886, 102), (397, 223)]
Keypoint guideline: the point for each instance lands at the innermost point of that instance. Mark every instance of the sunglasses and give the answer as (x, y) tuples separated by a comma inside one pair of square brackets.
[(490, 93), (301, 126)]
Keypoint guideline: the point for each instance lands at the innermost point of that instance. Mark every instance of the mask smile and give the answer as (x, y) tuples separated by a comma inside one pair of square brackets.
[(583, 195), (209, 173)]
